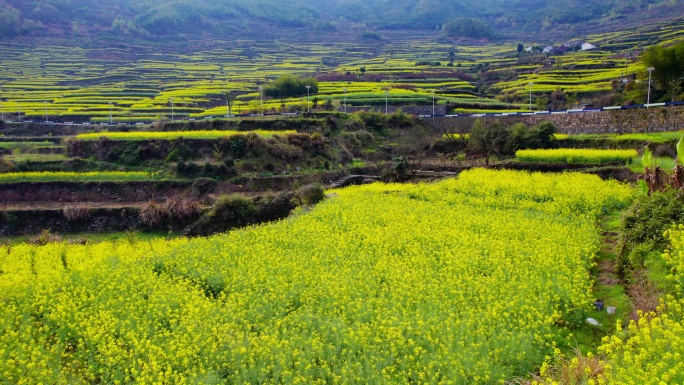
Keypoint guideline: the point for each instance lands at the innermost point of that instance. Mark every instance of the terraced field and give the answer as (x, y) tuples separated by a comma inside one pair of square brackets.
[(76, 84)]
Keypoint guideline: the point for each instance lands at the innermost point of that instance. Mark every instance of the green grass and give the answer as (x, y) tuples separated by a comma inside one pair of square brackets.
[(172, 135), (134, 236), (659, 137), (95, 176), (16, 158), (13, 145), (575, 156), (664, 163)]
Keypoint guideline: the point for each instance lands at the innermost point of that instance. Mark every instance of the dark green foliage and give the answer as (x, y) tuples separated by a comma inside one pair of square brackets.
[(311, 194), (325, 25), (9, 20), (491, 139), (291, 86), (234, 211), (371, 35), (468, 27), (228, 16), (668, 63), (201, 186), (643, 225), (398, 171), (541, 136)]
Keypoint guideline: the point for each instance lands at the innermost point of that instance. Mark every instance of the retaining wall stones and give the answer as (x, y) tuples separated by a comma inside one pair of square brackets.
[(659, 119)]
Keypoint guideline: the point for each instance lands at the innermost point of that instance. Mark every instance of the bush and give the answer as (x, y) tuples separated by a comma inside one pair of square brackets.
[(44, 238), (665, 150), (644, 224), (236, 209), (311, 194), (174, 212), (541, 136), (76, 214)]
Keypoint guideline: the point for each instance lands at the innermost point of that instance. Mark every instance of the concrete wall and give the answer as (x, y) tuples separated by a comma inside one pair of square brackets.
[(657, 119)]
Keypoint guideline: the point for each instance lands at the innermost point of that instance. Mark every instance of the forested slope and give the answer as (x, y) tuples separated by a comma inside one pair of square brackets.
[(146, 17)]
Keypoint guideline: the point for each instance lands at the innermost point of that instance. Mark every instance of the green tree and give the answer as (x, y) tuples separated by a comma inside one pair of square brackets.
[(452, 56), (289, 86), (9, 21), (668, 65), (491, 139), (468, 27), (520, 47)]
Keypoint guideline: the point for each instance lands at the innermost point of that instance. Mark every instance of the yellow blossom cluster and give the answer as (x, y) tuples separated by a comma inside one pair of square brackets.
[(464, 281), (572, 155)]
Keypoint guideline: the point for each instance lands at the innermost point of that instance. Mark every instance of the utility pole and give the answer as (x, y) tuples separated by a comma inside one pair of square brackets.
[(2, 112), (228, 112), (261, 96), (386, 103), (345, 99), (531, 96), (308, 109), (18, 112), (110, 112), (46, 111), (433, 104), (171, 100), (650, 72)]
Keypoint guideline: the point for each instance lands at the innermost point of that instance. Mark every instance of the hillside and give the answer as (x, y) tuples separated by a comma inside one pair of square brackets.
[(233, 17)]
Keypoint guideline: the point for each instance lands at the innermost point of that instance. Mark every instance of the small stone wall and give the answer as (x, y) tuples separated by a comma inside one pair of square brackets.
[(658, 119)]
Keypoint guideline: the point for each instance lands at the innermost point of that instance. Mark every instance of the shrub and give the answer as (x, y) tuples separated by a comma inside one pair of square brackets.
[(541, 136), (643, 225), (311, 194), (665, 150), (231, 211), (44, 238), (174, 212), (76, 214)]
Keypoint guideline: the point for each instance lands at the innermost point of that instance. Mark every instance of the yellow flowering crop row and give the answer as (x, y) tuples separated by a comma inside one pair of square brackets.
[(68, 176), (651, 351), (171, 135), (570, 155), (463, 281)]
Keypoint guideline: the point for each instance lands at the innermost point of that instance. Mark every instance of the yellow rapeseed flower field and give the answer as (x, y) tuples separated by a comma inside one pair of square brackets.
[(572, 155), (465, 281), (70, 176)]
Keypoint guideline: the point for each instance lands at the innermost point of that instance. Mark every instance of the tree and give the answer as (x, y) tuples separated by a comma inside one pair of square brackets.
[(289, 86), (230, 98), (558, 100), (452, 56), (468, 27), (9, 21), (673, 89), (491, 139), (520, 47), (668, 64)]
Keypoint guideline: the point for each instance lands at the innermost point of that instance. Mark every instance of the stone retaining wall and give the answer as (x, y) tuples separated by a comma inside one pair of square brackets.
[(659, 119)]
